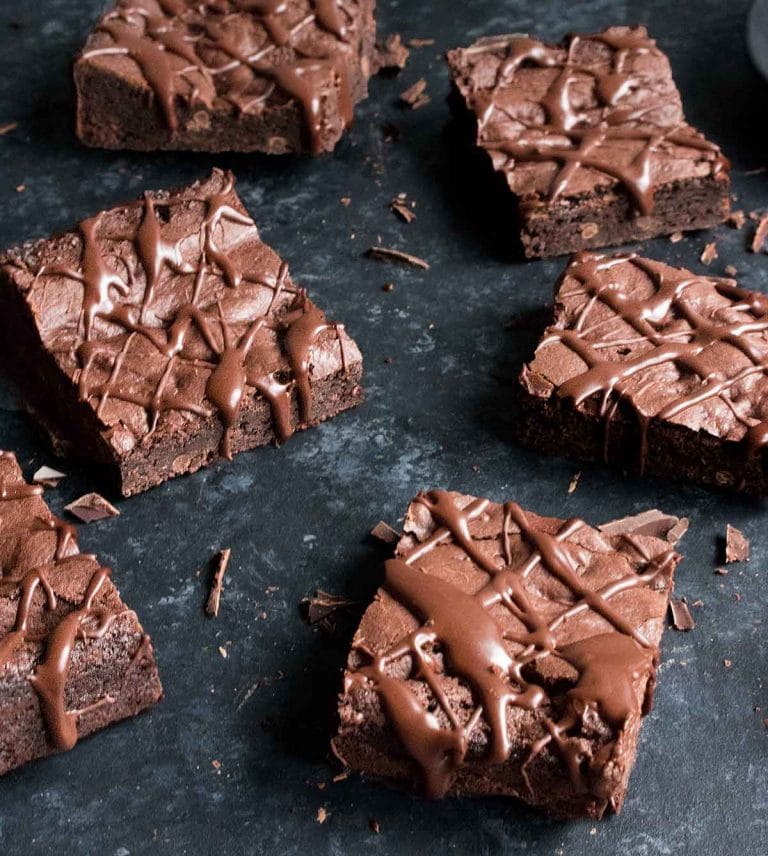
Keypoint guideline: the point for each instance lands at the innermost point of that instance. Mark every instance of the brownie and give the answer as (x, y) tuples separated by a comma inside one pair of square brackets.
[(273, 76), (510, 654), (163, 334), (73, 657), (590, 138), (653, 369)]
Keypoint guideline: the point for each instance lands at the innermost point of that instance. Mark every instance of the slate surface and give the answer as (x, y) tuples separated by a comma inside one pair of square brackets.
[(296, 518)]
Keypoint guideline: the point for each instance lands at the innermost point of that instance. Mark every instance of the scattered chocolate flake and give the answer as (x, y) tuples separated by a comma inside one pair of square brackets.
[(387, 254), (384, 532), (91, 507), (730, 270), (736, 545), (415, 96), (709, 254), (8, 127), (345, 201), (48, 477), (676, 237), (21, 188), (391, 55), (403, 208), (681, 615), (322, 815), (388, 286), (374, 826), (420, 43), (736, 219), (324, 609), (727, 663), (721, 571), (574, 482), (217, 583), (760, 234)]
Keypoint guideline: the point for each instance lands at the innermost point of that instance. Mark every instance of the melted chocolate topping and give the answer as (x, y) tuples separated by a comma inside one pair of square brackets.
[(463, 637), (664, 343), (237, 50), (603, 103), (237, 343)]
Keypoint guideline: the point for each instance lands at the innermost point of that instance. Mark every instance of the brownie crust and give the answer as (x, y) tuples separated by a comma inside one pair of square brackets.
[(590, 138), (510, 654), (73, 657), (176, 337), (652, 369), (268, 76)]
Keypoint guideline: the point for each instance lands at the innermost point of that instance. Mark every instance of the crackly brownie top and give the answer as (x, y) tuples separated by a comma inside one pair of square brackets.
[(598, 111), (488, 610), (632, 334), (171, 310), (51, 596), (243, 52)]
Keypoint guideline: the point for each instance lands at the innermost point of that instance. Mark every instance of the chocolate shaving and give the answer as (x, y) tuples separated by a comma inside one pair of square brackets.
[(91, 507), (48, 477), (390, 56), (736, 219), (217, 584), (403, 208), (415, 96), (323, 609), (574, 482), (384, 532), (8, 127), (709, 254), (736, 545), (760, 234), (387, 254), (420, 43), (681, 615)]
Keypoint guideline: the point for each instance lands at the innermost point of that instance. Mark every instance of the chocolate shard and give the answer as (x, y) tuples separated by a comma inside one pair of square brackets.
[(229, 75), (509, 654), (736, 545), (91, 507), (186, 339), (605, 384), (217, 583), (73, 657), (681, 614), (323, 609), (384, 532), (48, 477), (601, 154)]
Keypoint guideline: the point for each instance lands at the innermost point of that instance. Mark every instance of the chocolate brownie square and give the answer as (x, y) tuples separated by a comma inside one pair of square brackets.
[(652, 369), (232, 75), (590, 138), (163, 334), (510, 654), (73, 657)]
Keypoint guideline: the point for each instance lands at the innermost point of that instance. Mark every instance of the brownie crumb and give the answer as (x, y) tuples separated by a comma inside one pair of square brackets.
[(736, 545), (217, 584), (403, 208), (737, 219), (676, 237), (384, 532), (709, 254), (91, 507), (415, 96), (391, 55), (730, 270), (322, 815), (681, 615), (387, 254), (727, 663), (345, 201), (721, 571)]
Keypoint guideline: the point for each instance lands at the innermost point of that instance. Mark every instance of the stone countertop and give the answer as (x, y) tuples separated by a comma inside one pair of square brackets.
[(296, 518)]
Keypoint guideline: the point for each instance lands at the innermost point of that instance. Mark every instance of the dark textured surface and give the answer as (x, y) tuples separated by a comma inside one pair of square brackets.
[(296, 518)]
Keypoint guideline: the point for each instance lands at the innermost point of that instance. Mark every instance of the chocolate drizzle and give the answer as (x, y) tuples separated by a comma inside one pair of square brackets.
[(603, 103), (497, 655), (258, 332), (242, 51), (662, 342)]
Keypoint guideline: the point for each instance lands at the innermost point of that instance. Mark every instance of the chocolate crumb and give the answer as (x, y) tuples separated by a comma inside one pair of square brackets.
[(217, 584), (340, 777), (730, 270), (21, 188), (736, 219), (414, 96), (391, 55), (91, 507), (676, 237), (727, 663), (760, 234), (721, 571), (323, 609), (322, 815), (574, 482), (403, 208), (388, 286), (374, 825), (420, 43), (709, 254), (387, 254), (698, 603), (48, 477), (736, 545), (681, 615), (345, 201), (384, 532), (8, 127)]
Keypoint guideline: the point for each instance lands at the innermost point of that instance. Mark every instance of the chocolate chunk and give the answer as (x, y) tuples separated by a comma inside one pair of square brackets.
[(736, 545), (666, 396), (73, 657), (589, 133), (681, 615), (509, 654), (262, 76), (163, 334), (91, 507)]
